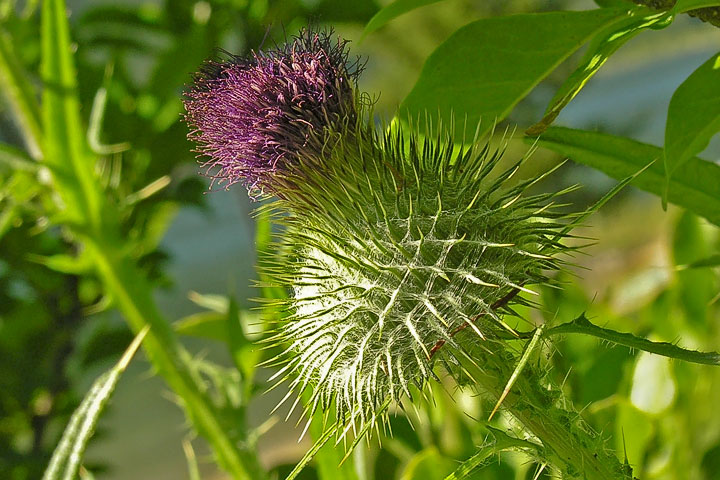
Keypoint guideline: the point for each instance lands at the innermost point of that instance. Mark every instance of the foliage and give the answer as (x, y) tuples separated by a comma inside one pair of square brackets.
[(93, 170)]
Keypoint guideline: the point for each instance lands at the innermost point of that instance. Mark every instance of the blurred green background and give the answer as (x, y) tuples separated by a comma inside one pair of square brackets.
[(56, 334)]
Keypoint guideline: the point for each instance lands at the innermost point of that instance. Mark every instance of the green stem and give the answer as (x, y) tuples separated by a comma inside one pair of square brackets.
[(133, 297), (569, 444)]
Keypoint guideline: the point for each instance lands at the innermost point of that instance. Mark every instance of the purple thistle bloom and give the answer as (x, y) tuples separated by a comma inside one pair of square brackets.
[(253, 116)]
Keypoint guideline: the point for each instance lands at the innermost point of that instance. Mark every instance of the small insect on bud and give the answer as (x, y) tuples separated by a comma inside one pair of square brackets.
[(254, 116)]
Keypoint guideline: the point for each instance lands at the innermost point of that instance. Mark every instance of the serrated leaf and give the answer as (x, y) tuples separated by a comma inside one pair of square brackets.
[(485, 68), (693, 116), (66, 151), (602, 46), (392, 11), (582, 325), (67, 456), (695, 187)]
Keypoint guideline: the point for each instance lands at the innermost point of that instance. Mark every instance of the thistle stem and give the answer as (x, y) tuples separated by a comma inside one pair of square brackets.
[(134, 299), (569, 444)]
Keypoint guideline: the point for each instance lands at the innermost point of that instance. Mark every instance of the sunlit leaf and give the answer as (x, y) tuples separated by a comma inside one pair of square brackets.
[(391, 11), (600, 49), (486, 67), (695, 187), (693, 116)]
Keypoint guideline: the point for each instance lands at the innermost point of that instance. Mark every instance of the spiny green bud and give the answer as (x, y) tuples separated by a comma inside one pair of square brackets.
[(396, 246)]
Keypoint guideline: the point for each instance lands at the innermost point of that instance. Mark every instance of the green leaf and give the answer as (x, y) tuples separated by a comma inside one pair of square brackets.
[(319, 443), (266, 253), (66, 151), (427, 464), (133, 296), (486, 67), (210, 325), (73, 265), (66, 458), (245, 354), (693, 116), (695, 287), (16, 159), (392, 11), (683, 6), (653, 384), (582, 325), (214, 302), (612, 3), (158, 220), (633, 432), (602, 46), (707, 262), (502, 441), (17, 88), (695, 187)]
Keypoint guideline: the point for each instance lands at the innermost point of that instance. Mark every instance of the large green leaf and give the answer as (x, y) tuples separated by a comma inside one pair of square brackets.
[(486, 67), (695, 187), (391, 11), (693, 115)]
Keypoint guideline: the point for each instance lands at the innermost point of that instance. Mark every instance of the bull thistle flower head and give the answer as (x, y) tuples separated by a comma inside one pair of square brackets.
[(398, 242), (253, 116)]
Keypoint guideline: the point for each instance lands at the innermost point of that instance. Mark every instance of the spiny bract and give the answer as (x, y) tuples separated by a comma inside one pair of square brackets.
[(397, 246), (393, 245)]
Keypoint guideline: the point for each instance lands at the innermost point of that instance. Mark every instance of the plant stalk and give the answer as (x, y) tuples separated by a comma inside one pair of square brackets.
[(133, 297), (569, 444)]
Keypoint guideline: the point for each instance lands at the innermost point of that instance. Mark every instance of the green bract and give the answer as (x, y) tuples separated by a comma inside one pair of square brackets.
[(396, 244)]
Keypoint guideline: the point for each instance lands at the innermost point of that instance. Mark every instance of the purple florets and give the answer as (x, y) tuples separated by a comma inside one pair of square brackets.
[(253, 116)]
